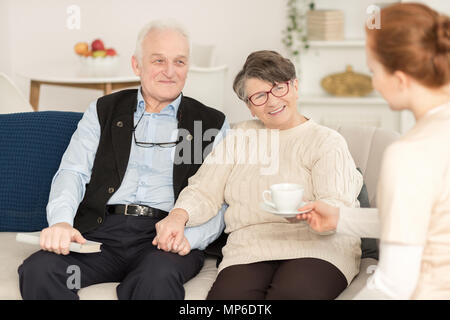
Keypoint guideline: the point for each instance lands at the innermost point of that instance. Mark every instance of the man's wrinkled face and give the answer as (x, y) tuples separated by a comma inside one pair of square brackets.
[(163, 65)]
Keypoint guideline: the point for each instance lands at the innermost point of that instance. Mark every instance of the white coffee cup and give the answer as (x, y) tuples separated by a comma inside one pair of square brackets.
[(286, 197)]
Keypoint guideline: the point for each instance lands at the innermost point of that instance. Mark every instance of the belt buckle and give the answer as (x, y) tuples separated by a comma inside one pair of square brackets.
[(139, 210), (126, 210)]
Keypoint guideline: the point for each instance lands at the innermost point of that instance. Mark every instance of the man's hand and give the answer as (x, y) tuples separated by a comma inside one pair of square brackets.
[(58, 237), (170, 231), (321, 218), (183, 249)]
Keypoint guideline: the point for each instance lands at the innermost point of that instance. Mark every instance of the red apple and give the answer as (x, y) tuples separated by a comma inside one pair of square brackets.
[(111, 52), (97, 45)]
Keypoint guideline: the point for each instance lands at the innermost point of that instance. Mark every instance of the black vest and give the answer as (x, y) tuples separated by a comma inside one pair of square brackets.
[(116, 118)]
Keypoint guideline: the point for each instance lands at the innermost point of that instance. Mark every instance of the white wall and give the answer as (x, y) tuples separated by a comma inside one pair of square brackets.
[(5, 38), (32, 32), (317, 63), (236, 27)]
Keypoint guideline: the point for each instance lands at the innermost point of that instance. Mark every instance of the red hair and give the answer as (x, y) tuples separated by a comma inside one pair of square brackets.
[(414, 39)]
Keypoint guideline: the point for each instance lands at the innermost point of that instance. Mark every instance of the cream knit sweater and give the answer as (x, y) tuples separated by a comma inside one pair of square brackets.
[(308, 154)]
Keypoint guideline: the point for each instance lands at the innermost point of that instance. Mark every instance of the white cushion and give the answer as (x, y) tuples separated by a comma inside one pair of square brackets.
[(367, 145), (13, 253), (367, 267)]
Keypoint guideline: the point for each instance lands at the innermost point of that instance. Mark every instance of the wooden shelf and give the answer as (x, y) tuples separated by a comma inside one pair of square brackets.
[(332, 100)]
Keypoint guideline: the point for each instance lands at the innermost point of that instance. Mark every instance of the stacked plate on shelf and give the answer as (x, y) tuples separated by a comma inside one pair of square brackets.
[(325, 25)]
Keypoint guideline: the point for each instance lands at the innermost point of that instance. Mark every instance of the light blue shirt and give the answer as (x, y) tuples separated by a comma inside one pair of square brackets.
[(148, 179)]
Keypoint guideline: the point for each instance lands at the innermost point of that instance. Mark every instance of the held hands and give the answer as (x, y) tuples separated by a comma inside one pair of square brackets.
[(170, 233), (58, 237), (321, 218)]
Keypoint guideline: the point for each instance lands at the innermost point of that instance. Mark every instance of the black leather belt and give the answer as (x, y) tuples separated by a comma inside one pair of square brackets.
[(136, 210)]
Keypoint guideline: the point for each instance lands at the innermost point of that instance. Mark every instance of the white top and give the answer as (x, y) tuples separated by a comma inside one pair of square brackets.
[(414, 208), (399, 265), (359, 222)]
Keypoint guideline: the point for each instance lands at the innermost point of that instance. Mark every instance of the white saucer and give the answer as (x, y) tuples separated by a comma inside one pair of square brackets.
[(292, 214)]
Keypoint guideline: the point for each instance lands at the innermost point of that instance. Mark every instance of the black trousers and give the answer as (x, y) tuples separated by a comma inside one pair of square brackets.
[(295, 279), (127, 256)]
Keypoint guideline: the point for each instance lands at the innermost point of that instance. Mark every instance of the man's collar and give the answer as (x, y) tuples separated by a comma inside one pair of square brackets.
[(170, 109)]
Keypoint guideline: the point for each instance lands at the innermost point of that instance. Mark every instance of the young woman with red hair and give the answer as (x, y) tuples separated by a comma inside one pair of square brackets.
[(410, 60)]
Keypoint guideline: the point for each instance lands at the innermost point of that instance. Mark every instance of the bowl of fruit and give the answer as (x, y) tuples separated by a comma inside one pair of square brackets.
[(96, 59)]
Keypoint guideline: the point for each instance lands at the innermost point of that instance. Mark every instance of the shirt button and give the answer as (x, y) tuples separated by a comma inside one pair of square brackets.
[(119, 124), (110, 190), (99, 220)]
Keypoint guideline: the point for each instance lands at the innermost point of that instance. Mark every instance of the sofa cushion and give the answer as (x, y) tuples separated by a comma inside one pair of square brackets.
[(366, 269), (31, 149), (13, 253), (369, 246), (363, 196)]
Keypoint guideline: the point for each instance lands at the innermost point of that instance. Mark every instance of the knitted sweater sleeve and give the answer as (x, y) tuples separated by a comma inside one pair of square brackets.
[(204, 195), (336, 180)]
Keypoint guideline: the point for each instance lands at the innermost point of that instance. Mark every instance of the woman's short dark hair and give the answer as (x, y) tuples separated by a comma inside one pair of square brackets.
[(265, 65)]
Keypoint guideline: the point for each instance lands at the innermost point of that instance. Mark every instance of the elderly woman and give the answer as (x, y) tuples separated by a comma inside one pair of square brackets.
[(268, 256)]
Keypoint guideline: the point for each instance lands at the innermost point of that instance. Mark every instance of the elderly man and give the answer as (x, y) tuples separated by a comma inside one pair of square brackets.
[(119, 176)]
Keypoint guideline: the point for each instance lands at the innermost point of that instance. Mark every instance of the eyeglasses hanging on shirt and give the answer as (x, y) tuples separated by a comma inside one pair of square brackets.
[(151, 144)]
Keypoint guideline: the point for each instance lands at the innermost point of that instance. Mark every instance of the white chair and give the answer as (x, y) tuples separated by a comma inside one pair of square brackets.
[(11, 99), (366, 145), (207, 85), (202, 55)]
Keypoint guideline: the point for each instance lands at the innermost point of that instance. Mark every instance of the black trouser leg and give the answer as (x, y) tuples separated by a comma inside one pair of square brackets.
[(299, 279), (159, 275), (45, 275), (127, 256), (306, 279)]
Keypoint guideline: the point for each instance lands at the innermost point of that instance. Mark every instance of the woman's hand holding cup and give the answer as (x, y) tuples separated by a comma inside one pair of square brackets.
[(321, 217)]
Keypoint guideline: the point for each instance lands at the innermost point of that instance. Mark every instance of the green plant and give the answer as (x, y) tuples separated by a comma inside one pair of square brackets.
[(294, 35)]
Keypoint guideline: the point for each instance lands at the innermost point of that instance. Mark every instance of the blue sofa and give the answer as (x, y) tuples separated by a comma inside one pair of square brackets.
[(31, 147)]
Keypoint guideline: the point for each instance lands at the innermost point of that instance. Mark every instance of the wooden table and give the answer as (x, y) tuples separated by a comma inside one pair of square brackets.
[(205, 84), (72, 75)]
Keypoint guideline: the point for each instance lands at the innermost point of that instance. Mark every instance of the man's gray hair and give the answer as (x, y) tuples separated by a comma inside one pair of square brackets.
[(157, 25)]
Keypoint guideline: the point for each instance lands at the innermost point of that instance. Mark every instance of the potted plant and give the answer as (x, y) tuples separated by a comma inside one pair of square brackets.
[(295, 35)]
